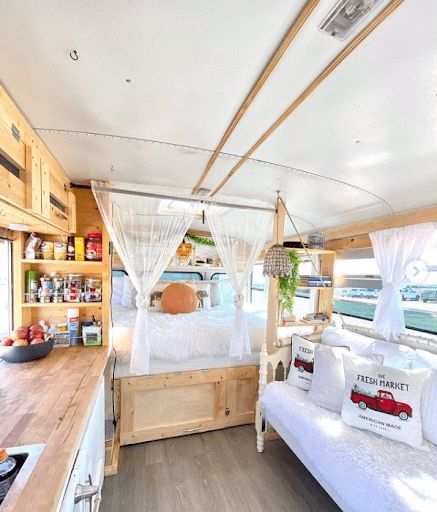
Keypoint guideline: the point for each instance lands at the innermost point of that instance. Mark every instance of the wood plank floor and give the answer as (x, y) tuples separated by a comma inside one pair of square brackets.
[(216, 471)]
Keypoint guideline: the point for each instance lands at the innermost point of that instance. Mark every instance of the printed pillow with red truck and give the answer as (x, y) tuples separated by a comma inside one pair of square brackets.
[(383, 400), (302, 362)]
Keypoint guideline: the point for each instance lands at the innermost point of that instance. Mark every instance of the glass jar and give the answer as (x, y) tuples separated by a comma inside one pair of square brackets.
[(93, 249), (93, 289), (58, 288), (46, 289), (73, 288)]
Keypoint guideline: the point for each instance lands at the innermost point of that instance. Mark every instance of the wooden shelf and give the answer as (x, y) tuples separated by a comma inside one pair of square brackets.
[(315, 287), (312, 251), (195, 268), (61, 305), (301, 323), (90, 266)]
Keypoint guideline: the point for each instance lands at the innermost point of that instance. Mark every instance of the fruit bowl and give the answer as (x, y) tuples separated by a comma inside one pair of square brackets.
[(23, 354)]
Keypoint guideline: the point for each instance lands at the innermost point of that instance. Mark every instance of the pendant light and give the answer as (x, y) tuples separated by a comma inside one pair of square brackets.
[(277, 260)]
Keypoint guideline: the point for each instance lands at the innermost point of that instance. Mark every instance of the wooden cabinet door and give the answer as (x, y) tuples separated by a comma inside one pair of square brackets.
[(241, 393), (169, 405)]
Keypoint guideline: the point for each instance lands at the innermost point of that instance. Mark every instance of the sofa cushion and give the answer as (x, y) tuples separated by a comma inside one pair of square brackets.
[(362, 471), (383, 400), (429, 397)]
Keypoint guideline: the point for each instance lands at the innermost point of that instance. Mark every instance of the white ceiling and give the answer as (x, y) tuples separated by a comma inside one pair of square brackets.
[(191, 65)]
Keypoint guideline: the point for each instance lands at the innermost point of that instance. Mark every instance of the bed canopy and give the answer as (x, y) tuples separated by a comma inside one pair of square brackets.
[(146, 225)]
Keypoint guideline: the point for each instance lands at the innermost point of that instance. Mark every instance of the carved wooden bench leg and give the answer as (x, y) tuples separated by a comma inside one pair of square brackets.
[(259, 425)]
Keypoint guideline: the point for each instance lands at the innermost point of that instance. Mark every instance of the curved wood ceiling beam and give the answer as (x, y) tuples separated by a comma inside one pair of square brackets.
[(314, 84), (267, 71)]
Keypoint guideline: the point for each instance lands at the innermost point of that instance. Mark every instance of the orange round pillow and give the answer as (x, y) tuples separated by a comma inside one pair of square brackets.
[(178, 298)]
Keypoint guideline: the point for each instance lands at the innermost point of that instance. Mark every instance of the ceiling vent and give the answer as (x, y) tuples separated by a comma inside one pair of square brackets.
[(346, 16), (203, 191)]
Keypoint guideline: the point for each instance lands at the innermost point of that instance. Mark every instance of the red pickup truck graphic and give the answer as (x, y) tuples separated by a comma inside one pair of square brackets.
[(303, 364), (383, 401)]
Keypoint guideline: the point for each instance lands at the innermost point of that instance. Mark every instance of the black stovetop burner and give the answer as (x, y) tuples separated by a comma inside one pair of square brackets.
[(6, 484)]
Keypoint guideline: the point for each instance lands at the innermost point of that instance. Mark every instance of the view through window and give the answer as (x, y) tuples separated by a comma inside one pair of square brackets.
[(358, 286)]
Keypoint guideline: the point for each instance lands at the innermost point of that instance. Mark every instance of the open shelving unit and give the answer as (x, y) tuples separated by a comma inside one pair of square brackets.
[(320, 296), (26, 313)]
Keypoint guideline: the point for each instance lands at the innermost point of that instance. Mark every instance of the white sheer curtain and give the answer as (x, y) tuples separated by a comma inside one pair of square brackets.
[(145, 233), (395, 251), (239, 235)]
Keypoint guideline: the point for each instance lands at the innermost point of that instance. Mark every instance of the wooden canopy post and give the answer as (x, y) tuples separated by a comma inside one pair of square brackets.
[(273, 297)]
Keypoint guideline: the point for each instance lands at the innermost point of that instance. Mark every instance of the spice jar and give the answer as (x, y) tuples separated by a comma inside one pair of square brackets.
[(45, 291), (93, 289), (73, 287), (58, 288), (93, 250)]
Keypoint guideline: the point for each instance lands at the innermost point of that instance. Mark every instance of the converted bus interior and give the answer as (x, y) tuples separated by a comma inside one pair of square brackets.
[(218, 256)]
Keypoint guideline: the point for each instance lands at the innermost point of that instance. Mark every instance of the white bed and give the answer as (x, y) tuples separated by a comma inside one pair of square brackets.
[(375, 474), (183, 342)]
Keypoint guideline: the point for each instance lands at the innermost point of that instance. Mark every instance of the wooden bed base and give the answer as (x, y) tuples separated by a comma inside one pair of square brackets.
[(178, 404)]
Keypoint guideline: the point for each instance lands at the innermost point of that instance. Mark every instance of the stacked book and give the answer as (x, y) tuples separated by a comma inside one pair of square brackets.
[(316, 318), (315, 281)]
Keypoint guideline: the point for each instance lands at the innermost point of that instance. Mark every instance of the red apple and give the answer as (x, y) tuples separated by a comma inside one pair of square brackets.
[(20, 343), (36, 341), (6, 342), (19, 333)]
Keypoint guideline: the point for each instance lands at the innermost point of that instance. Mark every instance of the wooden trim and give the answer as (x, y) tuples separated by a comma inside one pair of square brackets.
[(112, 468), (357, 242), (314, 84), (395, 221), (265, 74), (273, 297)]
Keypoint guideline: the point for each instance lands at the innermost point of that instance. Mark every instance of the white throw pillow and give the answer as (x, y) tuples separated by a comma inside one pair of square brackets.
[(383, 400), (429, 396), (357, 343), (214, 292), (203, 291), (302, 362), (327, 386), (395, 355), (127, 299)]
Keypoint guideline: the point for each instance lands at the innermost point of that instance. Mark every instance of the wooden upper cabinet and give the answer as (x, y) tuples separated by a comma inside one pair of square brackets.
[(30, 177)]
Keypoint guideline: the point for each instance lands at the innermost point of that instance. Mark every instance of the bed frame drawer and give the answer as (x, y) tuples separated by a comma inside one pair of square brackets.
[(177, 404)]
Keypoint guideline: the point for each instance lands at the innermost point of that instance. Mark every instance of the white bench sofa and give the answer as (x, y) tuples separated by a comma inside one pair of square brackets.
[(361, 471)]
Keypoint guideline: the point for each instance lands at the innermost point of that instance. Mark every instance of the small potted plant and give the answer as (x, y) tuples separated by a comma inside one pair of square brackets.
[(287, 288)]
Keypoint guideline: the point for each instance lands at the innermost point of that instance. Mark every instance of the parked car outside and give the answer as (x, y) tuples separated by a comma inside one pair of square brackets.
[(429, 296), (409, 293), (362, 293)]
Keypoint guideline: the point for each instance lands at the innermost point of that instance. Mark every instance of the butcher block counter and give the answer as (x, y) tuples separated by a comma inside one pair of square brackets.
[(49, 401)]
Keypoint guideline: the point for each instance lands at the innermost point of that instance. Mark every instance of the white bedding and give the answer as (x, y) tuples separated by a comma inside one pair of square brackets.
[(372, 473), (177, 339)]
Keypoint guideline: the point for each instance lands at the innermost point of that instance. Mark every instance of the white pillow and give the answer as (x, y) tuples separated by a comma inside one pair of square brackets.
[(327, 386), (203, 291), (383, 400), (127, 299), (395, 355), (214, 292), (357, 343), (302, 362), (429, 397), (117, 290)]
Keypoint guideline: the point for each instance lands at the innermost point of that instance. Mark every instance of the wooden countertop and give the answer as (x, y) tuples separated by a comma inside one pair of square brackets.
[(49, 401)]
